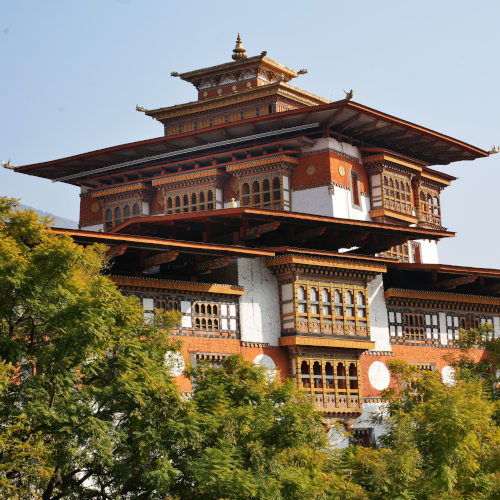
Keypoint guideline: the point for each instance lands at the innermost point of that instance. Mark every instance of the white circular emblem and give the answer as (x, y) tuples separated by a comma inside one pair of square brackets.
[(267, 362), (448, 375), (175, 363), (379, 376)]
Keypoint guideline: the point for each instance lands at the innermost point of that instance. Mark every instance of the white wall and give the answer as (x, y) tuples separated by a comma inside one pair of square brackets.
[(428, 252), (312, 201), (99, 228), (365, 420), (331, 144), (379, 321), (259, 307)]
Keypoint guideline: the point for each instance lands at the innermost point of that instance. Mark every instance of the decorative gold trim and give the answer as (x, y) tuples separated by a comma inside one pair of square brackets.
[(259, 162), (380, 212), (185, 286), (330, 263), (120, 189), (325, 342), (441, 296)]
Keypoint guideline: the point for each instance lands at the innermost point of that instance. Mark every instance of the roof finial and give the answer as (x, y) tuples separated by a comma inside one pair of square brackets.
[(239, 52)]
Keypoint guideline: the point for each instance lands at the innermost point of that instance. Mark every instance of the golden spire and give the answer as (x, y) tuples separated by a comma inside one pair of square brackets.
[(239, 52)]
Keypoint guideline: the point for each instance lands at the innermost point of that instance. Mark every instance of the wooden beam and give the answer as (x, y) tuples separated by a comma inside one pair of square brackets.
[(366, 126), (493, 289), (454, 282), (160, 258), (116, 251), (311, 233), (208, 266), (257, 231), (333, 118), (346, 123)]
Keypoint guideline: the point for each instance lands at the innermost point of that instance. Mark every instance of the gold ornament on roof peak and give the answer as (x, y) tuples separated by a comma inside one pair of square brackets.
[(239, 52)]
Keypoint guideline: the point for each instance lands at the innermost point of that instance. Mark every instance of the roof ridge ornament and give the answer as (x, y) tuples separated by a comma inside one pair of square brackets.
[(239, 52)]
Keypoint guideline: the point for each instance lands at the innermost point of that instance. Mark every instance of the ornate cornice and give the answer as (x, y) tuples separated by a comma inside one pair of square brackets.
[(399, 296), (129, 188), (179, 286), (280, 161), (210, 176), (325, 342), (350, 264)]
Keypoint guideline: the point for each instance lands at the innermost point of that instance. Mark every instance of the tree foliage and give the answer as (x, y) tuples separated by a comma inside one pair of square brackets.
[(88, 391), (442, 442)]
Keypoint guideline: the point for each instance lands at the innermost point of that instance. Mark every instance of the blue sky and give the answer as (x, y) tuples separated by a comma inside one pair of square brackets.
[(73, 71)]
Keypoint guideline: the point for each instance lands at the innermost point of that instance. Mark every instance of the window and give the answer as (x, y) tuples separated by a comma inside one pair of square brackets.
[(315, 313), (396, 194), (333, 384), (265, 193), (193, 202), (126, 213), (414, 326), (242, 115), (457, 321), (118, 216), (108, 223), (399, 252), (430, 210), (135, 209), (355, 187)]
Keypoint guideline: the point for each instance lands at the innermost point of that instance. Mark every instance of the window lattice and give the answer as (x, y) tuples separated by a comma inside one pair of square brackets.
[(331, 308), (333, 383), (413, 326)]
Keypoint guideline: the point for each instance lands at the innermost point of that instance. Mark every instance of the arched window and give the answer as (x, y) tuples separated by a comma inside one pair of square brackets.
[(313, 299), (126, 212), (109, 219), (245, 195), (360, 300), (135, 210), (202, 201), (185, 203), (325, 301), (194, 202), (169, 206), (304, 374), (349, 304), (318, 375), (301, 297), (341, 376), (266, 192), (338, 303), (276, 191), (210, 200), (255, 193), (118, 216), (329, 375), (177, 204), (436, 205), (353, 376)]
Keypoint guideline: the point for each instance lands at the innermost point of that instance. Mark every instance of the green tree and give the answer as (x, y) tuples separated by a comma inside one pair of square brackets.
[(248, 438), (86, 397), (441, 442)]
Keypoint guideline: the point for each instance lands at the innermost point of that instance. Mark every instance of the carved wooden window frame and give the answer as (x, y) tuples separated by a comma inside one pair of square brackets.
[(413, 326), (320, 316), (265, 191), (396, 192), (334, 383)]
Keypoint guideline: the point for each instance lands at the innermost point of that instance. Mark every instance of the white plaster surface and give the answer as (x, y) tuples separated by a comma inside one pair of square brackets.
[(329, 143), (337, 437), (496, 326), (259, 307), (443, 331), (175, 363), (148, 304), (428, 252), (98, 228), (315, 201), (379, 322), (448, 375), (371, 410), (266, 362), (379, 376)]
